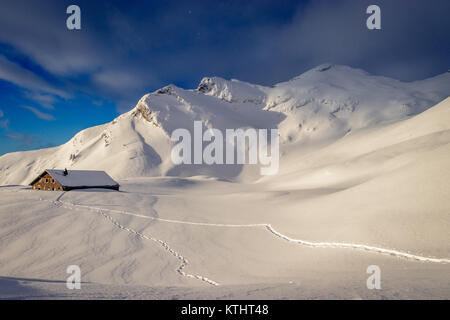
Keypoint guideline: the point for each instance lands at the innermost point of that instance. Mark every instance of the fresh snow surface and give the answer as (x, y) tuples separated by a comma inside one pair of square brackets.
[(364, 180)]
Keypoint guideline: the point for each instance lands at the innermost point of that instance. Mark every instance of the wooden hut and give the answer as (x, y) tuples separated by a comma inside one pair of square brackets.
[(65, 180)]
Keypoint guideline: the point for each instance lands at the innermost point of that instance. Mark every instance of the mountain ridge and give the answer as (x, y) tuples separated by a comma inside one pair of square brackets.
[(314, 109)]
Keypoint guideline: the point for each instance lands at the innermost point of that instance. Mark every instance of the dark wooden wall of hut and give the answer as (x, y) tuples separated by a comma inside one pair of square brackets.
[(47, 183)]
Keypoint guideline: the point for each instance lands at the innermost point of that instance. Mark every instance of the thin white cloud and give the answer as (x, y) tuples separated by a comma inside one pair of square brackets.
[(40, 114), (117, 80), (37, 30), (14, 73), (45, 100), (24, 139)]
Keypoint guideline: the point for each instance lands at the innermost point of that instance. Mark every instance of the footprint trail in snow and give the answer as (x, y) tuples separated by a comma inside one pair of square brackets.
[(268, 227)]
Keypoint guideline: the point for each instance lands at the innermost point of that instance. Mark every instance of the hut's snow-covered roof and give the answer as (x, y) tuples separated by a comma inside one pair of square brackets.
[(82, 178)]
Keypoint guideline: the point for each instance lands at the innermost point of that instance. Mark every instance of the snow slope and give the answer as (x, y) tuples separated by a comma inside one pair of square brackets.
[(312, 110), (387, 186)]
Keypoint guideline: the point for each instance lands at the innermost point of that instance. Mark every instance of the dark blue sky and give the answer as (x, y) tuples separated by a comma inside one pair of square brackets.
[(55, 82)]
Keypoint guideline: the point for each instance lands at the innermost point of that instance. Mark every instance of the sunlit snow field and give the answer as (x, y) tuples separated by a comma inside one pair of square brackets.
[(132, 243)]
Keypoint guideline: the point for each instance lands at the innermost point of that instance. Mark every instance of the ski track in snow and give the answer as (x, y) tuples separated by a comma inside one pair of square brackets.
[(391, 252), (184, 261)]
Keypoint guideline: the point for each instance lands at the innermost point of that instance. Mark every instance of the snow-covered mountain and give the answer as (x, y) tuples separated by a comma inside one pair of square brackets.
[(312, 110)]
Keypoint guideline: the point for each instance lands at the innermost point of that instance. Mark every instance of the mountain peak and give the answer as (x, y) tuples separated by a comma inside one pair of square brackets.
[(323, 67), (326, 70), (143, 110), (169, 89), (232, 90), (208, 84)]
